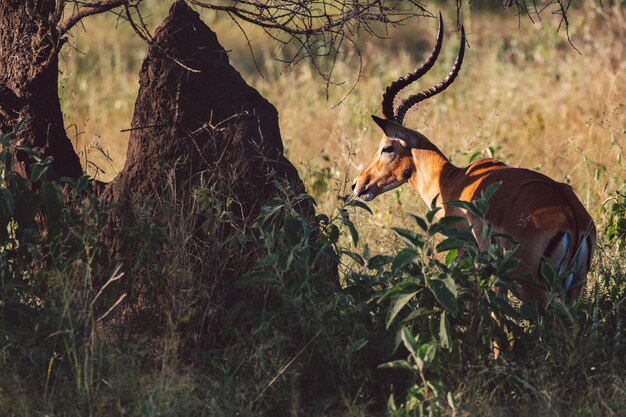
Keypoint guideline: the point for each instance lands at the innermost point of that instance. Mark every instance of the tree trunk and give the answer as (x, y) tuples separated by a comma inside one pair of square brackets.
[(29, 42)]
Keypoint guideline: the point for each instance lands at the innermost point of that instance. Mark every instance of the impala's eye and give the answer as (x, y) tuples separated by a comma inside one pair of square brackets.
[(387, 149)]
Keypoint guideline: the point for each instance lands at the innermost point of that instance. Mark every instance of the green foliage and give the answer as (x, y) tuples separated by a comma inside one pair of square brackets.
[(287, 314), (32, 225), (436, 297), (49, 259), (449, 306), (616, 209)]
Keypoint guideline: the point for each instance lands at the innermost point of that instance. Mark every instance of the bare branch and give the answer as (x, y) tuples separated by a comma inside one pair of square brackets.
[(315, 30), (83, 10), (318, 29)]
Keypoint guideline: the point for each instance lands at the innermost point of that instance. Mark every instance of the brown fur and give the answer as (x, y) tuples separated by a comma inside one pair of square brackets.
[(532, 208)]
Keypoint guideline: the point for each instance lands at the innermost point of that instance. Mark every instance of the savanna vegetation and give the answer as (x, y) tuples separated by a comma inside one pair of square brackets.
[(410, 327)]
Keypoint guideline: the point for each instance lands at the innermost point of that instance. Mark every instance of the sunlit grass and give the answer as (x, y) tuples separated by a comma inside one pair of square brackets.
[(523, 91), (525, 95)]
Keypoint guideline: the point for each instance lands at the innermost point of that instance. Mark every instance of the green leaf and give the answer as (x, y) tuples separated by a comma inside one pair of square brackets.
[(502, 307), (82, 184), (400, 364), (272, 206), (378, 261), (433, 203), (445, 337), (52, 199), (355, 256), (482, 205), (391, 403), (29, 151), (461, 234), (292, 229), (451, 243), (420, 222), (397, 305), (445, 223), (508, 265), (529, 311), (426, 353), (360, 204), (444, 289), (418, 312), (270, 259), (470, 207), (431, 214), (403, 258), (409, 341), (38, 172), (345, 219), (366, 251), (490, 190), (7, 199), (548, 272), (475, 157), (402, 287), (325, 250), (409, 237), (451, 256)]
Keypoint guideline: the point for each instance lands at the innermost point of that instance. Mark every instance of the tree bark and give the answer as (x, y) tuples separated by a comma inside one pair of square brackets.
[(29, 43)]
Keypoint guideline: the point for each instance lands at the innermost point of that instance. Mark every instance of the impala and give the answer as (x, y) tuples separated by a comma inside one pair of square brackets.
[(544, 216)]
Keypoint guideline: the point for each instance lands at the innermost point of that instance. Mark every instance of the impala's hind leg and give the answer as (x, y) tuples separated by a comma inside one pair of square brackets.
[(582, 260), (565, 256)]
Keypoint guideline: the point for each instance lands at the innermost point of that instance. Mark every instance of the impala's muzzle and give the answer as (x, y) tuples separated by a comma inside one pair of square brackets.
[(366, 188), (363, 189)]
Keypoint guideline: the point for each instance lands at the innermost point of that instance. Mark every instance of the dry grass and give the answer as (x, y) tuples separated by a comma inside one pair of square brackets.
[(523, 92)]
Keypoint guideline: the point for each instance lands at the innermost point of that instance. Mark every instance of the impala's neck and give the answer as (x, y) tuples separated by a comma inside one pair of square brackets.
[(434, 174)]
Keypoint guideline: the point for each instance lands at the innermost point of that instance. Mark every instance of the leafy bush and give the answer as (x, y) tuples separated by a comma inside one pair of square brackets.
[(616, 230), (286, 314), (49, 258), (436, 298), (443, 311)]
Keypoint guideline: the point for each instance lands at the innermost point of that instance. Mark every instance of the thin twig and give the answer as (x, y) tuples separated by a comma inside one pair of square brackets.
[(119, 300), (131, 129), (114, 277), (88, 9), (284, 368)]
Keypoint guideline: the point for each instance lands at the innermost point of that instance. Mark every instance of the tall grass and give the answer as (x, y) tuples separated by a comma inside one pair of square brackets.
[(210, 334), (525, 95)]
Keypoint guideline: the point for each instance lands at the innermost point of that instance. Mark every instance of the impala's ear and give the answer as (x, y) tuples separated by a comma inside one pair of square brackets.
[(382, 123), (394, 130)]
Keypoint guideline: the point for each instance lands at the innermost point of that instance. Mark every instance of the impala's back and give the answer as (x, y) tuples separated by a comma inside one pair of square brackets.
[(543, 215)]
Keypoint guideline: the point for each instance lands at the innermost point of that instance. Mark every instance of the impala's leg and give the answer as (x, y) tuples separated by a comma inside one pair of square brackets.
[(562, 253), (582, 262), (557, 253)]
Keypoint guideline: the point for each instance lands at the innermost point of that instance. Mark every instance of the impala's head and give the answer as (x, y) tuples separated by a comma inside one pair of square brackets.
[(393, 163)]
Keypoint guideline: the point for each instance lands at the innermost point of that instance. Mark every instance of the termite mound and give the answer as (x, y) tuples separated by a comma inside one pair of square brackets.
[(198, 123)]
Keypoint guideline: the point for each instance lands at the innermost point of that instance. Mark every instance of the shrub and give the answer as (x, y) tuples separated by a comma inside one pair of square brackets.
[(228, 315)]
